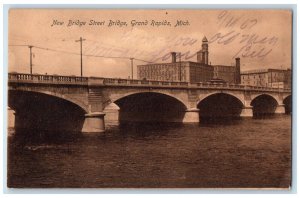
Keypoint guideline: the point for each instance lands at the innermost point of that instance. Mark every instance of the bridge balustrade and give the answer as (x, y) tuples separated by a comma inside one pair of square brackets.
[(80, 79), (184, 83), (20, 77), (134, 82), (110, 81), (46, 78), (122, 81), (55, 79), (154, 82), (145, 82)]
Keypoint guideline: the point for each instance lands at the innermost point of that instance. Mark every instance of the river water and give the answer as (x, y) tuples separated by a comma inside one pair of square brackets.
[(243, 153)]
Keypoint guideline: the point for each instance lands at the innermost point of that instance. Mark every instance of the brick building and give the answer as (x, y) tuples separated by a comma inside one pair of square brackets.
[(224, 72), (277, 78), (188, 71), (185, 71)]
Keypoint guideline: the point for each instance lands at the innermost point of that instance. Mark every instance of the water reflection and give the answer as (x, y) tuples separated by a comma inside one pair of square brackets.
[(156, 155)]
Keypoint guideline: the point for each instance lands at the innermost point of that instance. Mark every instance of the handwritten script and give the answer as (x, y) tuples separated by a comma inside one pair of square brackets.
[(235, 31), (238, 30)]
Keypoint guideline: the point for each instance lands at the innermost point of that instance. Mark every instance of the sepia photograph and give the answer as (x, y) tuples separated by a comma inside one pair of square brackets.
[(149, 98)]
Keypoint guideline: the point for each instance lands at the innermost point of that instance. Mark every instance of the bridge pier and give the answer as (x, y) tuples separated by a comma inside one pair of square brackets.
[(280, 109), (94, 123), (11, 117), (191, 115), (247, 112), (112, 112)]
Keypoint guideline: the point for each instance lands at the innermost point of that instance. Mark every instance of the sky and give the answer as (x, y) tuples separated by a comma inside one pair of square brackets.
[(261, 38)]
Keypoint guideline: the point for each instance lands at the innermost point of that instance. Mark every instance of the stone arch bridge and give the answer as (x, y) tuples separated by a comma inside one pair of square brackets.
[(47, 101)]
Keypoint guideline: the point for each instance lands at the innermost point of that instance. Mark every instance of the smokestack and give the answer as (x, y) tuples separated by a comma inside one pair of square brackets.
[(173, 54), (237, 71)]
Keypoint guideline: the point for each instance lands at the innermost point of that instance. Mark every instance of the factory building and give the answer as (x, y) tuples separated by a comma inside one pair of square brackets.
[(184, 71), (188, 71), (276, 78)]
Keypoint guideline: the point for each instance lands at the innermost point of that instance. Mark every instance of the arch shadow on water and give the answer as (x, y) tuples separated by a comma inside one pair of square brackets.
[(150, 107), (264, 106), (40, 136), (220, 121), (147, 129), (288, 104), (220, 109), (148, 114), (40, 116)]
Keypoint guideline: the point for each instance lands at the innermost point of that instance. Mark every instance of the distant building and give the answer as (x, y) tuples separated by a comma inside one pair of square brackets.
[(185, 71), (226, 73), (276, 78), (188, 71), (202, 55)]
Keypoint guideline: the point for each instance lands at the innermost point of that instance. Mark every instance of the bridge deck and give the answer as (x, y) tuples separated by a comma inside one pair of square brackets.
[(99, 81)]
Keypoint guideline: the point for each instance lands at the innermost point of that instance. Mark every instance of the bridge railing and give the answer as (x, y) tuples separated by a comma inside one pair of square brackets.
[(134, 82), (51, 79), (112, 81), (96, 81), (235, 86)]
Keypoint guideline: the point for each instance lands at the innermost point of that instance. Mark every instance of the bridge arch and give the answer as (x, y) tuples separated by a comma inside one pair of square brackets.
[(220, 105), (150, 107), (287, 101), (45, 111), (115, 97), (204, 96), (275, 97), (264, 105), (58, 95)]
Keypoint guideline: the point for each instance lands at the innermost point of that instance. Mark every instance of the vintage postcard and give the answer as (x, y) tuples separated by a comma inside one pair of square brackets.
[(141, 98)]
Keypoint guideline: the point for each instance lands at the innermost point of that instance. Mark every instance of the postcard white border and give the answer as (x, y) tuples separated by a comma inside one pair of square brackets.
[(147, 191)]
